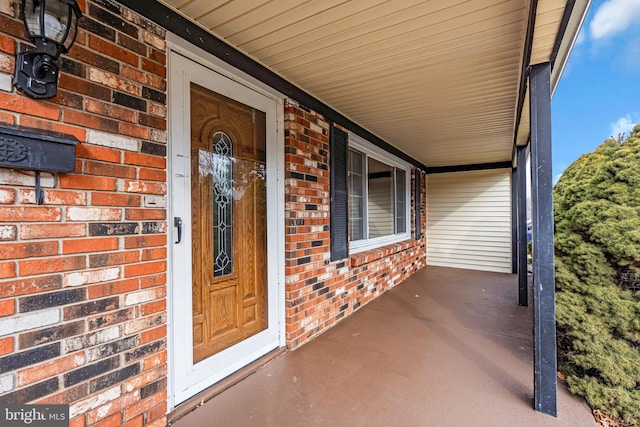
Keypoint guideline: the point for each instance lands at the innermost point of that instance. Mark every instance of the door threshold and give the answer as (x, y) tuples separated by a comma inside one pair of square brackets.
[(204, 396)]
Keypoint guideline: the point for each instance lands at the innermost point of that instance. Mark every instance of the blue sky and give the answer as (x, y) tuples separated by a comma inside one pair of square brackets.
[(599, 92)]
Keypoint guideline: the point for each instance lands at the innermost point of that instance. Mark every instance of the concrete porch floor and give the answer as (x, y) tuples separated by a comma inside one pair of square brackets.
[(446, 347)]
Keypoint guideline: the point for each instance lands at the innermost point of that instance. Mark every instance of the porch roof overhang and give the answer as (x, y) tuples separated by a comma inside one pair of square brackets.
[(442, 81)]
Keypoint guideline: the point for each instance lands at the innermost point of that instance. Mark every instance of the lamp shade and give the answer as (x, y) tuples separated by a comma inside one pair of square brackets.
[(52, 21), (52, 26)]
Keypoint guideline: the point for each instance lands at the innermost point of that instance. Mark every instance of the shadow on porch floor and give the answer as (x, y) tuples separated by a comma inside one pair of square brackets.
[(446, 347)]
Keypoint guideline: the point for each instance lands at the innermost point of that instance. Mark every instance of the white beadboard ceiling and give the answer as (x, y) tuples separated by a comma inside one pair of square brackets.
[(438, 79)]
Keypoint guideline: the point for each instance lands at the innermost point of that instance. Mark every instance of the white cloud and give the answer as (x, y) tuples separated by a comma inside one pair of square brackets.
[(622, 125), (614, 17)]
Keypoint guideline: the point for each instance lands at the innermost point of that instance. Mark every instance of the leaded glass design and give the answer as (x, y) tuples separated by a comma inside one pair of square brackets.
[(222, 205)]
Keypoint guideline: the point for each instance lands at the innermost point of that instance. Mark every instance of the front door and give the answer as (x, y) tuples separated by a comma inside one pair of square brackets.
[(221, 257), (228, 221)]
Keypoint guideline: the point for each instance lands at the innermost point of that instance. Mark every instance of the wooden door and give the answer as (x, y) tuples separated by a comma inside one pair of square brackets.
[(228, 221)]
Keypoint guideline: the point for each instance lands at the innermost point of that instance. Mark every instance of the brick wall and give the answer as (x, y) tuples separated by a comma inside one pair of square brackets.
[(318, 292), (83, 277)]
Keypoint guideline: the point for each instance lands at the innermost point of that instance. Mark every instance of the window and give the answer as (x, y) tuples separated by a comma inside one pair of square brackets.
[(378, 196)]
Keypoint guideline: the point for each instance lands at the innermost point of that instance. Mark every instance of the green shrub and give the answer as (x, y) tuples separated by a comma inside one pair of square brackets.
[(597, 246)]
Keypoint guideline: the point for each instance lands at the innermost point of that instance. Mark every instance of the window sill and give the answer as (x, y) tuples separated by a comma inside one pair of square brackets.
[(365, 257), (378, 242)]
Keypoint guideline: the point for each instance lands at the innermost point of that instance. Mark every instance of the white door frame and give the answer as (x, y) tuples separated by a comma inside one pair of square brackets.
[(189, 64)]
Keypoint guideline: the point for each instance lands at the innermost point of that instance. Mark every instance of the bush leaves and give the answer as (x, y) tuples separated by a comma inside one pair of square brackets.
[(597, 243)]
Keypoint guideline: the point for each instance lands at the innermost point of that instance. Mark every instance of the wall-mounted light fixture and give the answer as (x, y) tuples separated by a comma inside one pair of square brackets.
[(52, 26)]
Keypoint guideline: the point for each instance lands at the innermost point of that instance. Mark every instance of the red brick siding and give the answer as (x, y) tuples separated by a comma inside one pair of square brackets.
[(83, 277), (320, 293)]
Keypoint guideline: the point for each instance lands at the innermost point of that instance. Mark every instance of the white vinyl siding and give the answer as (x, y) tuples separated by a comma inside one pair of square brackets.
[(469, 220)]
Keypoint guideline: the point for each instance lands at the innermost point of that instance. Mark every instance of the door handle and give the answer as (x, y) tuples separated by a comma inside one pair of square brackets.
[(177, 222)]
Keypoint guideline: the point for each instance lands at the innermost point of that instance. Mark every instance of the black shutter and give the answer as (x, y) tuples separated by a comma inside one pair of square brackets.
[(339, 194), (418, 203)]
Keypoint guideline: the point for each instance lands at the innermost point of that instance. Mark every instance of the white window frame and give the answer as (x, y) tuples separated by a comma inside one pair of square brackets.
[(368, 149)]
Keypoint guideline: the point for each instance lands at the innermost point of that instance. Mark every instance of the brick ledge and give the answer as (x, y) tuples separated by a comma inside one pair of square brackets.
[(372, 255)]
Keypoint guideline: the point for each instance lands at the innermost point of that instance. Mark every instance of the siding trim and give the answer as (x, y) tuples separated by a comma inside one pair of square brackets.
[(524, 69), (465, 168), (566, 16)]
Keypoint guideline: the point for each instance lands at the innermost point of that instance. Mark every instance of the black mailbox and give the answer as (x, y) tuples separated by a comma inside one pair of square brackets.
[(37, 150)]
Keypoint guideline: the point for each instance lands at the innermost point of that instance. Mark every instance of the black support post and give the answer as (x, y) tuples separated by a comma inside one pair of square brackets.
[(523, 296), (545, 362), (514, 221)]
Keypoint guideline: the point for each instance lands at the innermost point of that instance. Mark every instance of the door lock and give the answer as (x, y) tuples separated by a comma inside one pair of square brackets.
[(177, 222)]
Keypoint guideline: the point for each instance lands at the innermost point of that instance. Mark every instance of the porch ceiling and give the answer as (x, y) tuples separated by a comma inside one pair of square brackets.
[(437, 79)]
